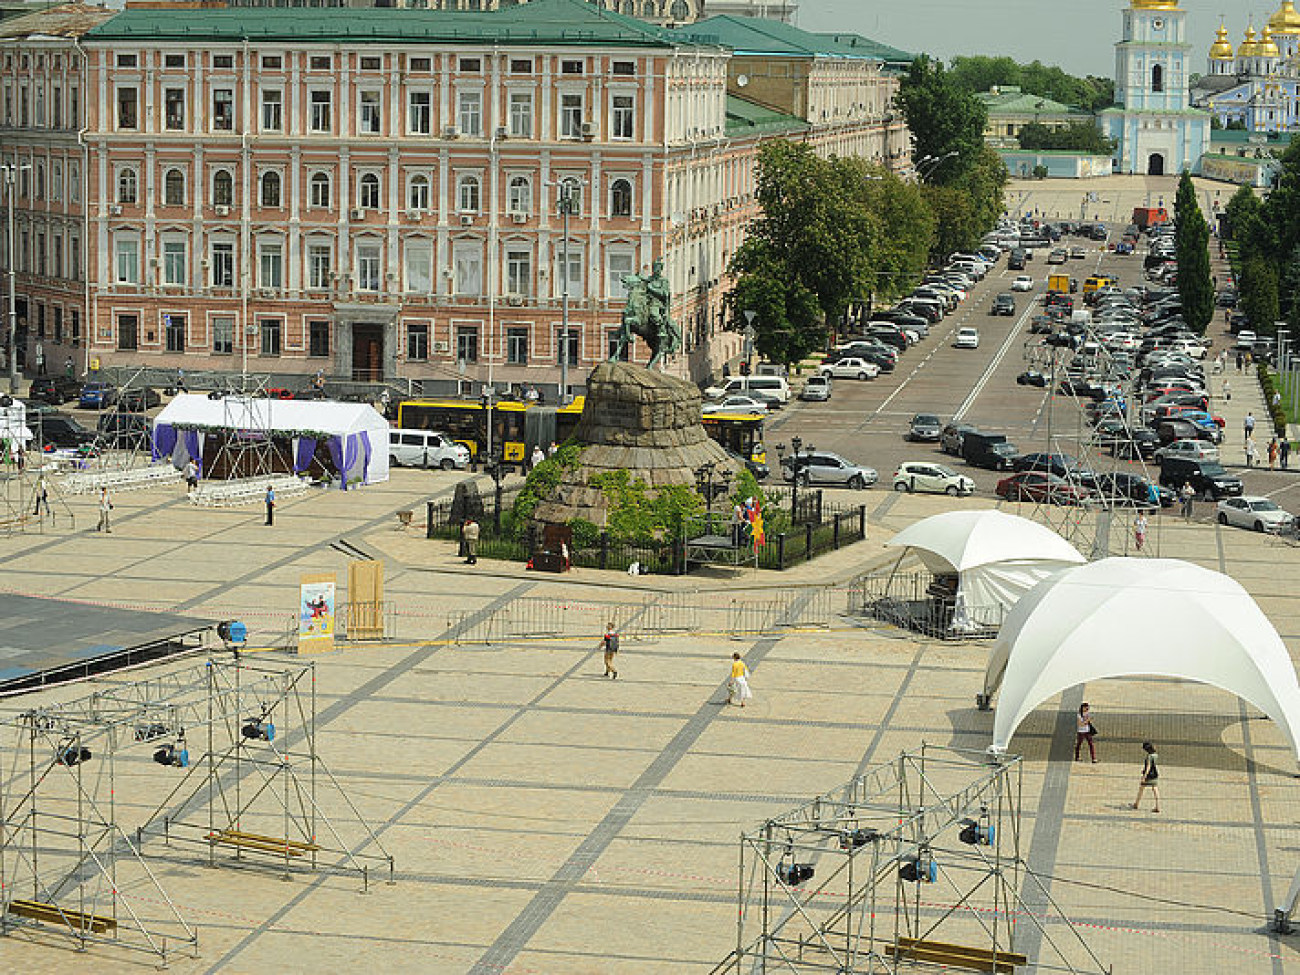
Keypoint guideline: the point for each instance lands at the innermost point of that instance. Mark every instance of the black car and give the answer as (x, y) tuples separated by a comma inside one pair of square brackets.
[(1004, 304), (54, 390), (1032, 377), (1207, 477), (1062, 465), (1141, 442), (139, 400), (1127, 490), (952, 437), (54, 429)]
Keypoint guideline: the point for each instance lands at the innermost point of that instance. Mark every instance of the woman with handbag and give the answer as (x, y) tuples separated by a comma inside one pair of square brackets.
[(1150, 776), (1085, 731)]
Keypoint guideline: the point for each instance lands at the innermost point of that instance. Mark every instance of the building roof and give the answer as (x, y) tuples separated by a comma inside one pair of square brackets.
[(1240, 138), (874, 49), (1011, 100), (558, 22), (67, 20), (750, 118), (758, 35)]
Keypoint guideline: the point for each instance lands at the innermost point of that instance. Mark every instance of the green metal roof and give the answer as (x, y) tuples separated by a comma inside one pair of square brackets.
[(557, 22), (750, 118), (1012, 101), (758, 35), (872, 49), (1241, 138)]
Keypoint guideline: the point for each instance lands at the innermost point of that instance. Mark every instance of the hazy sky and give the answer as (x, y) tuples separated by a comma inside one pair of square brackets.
[(1078, 35)]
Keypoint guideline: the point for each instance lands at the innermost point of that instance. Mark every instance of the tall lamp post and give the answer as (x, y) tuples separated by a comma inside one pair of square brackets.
[(9, 172), (567, 205), (796, 444)]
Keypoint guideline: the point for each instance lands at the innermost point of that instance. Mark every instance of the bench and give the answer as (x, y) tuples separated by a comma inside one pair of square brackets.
[(53, 914), (957, 956), (262, 844)]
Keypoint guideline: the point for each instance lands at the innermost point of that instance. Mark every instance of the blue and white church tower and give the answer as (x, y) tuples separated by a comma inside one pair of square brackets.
[(1156, 130)]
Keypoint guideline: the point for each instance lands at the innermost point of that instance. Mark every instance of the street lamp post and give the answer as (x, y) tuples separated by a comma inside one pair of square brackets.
[(566, 206), (9, 172)]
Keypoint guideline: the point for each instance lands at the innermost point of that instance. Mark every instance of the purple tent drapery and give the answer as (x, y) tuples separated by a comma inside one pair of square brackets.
[(164, 441), (191, 438), (365, 460), (343, 451), (306, 451)]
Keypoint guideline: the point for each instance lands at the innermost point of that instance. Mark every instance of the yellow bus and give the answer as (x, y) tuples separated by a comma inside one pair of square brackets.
[(516, 427), (741, 433)]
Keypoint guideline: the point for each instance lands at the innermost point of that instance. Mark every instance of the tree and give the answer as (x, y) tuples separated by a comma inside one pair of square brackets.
[(1192, 246), (978, 74), (943, 118), (1242, 208), (1289, 290), (1282, 211), (1258, 282), (787, 321), (1075, 137)]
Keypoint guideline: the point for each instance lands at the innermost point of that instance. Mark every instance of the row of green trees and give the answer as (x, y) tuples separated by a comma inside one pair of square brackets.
[(835, 232), (1192, 248), (1267, 237), (1075, 137), (979, 73)]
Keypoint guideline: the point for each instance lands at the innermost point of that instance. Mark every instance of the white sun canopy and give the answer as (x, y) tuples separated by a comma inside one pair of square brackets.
[(997, 558), (1139, 617)]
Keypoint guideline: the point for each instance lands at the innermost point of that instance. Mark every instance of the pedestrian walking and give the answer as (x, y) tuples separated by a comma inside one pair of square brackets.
[(538, 456), (42, 499), (69, 367), (1272, 454), (1240, 360), (1284, 452), (270, 504), (105, 506), (191, 476), (1227, 390), (1252, 453), (1249, 424), (1150, 776), (469, 534), (1188, 496), (1085, 731), (1140, 530), (551, 450), (738, 688), (609, 643), (1277, 399), (180, 380)]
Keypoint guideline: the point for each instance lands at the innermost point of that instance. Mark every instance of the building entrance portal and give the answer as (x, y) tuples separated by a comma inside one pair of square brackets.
[(367, 352), (1156, 164)]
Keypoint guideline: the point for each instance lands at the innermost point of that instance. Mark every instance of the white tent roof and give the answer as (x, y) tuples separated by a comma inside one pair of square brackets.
[(967, 539), (320, 416), (1127, 617)]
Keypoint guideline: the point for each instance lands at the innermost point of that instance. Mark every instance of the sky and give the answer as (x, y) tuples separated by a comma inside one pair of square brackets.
[(1077, 35)]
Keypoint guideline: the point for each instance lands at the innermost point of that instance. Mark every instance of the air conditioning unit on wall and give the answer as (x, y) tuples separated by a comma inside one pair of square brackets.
[(467, 219), (222, 211), (441, 346)]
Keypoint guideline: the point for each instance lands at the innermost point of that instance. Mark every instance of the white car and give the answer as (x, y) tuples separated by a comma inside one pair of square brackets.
[(1190, 449), (1023, 282), (1259, 514), (967, 338), (851, 368), (932, 478), (736, 404), (426, 448)]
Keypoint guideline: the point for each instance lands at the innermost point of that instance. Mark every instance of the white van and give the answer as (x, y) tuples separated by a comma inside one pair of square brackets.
[(426, 448), (773, 386)]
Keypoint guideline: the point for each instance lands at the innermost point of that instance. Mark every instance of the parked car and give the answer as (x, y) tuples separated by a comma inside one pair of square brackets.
[(139, 400), (1207, 478), (772, 386), (1127, 490), (54, 390), (967, 338), (97, 396), (1062, 465), (825, 467), (1058, 256), (930, 478), (737, 404), (1192, 449), (58, 430), (850, 368), (1023, 282), (1004, 304), (426, 448), (1256, 513), (1077, 253), (952, 436), (1040, 486), (925, 428), (1032, 377), (816, 389), (992, 451)]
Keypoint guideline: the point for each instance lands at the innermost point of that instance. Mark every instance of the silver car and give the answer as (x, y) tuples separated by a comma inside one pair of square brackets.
[(1259, 514), (825, 467)]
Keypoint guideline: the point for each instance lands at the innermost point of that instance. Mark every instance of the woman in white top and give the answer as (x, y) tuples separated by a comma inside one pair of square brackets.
[(1084, 732)]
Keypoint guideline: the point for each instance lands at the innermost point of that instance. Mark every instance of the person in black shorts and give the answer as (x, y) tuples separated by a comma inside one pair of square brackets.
[(1150, 775)]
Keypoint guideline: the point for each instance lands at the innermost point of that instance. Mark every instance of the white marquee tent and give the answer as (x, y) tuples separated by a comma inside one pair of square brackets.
[(996, 557), (355, 433), (1122, 617)]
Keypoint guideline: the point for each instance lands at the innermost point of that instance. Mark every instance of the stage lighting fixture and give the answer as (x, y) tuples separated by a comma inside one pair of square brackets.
[(177, 755), (258, 729), (73, 756), (857, 837), (793, 874), (976, 834), (6, 401), (215, 394), (232, 632), (918, 869), (149, 732)]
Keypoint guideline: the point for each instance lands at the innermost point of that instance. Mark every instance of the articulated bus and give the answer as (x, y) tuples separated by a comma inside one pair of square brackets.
[(741, 433), (516, 427)]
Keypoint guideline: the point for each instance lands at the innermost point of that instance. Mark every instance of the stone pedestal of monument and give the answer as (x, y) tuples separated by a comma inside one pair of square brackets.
[(635, 420)]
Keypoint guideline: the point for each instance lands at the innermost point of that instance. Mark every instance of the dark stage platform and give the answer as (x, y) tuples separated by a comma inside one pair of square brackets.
[(48, 641)]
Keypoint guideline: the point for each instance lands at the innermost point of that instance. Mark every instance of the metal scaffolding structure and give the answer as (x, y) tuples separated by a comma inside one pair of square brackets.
[(869, 877), (66, 861)]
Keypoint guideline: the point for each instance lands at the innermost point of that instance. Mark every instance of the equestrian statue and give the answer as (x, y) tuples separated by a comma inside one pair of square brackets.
[(646, 314)]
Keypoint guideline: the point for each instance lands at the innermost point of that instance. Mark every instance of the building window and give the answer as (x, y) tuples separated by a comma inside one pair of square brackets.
[(223, 109), (322, 105), (419, 266), (58, 325), (467, 343), (570, 116), (571, 347), (471, 65), (418, 193), (570, 196), (123, 61), (519, 272), (517, 346), (570, 67), (419, 113), (40, 181), (618, 264), (318, 266), (223, 335), (56, 108), (223, 188), (368, 193), (368, 267), (223, 61), (519, 195), (74, 257), (40, 106), (417, 341), (223, 265), (174, 108), (270, 189), (174, 262), (620, 198), (174, 188), (128, 260), (74, 108), (469, 112), (128, 333), (127, 186), (40, 254), (572, 264), (271, 62), (174, 332), (270, 264), (174, 60), (624, 67), (270, 329), (369, 122), (318, 339), (321, 62), (612, 351), (521, 114), (419, 64), (521, 65), (371, 63), (56, 182), (56, 257), (272, 110), (320, 190), (127, 117), (1157, 78), (467, 268), (467, 198), (622, 118), (75, 315)]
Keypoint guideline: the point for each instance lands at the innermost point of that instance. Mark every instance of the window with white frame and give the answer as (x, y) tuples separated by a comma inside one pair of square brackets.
[(320, 190), (521, 114), (173, 262), (174, 188), (467, 194), (74, 183), (417, 193), (519, 195), (369, 122), (613, 339), (368, 191), (270, 183), (368, 266), (223, 335), (620, 198), (127, 108), (469, 112), (622, 118), (573, 347), (318, 266), (321, 116), (517, 346), (467, 268), (223, 109), (127, 186), (223, 188), (617, 264), (127, 260), (569, 196), (519, 271), (568, 269), (270, 264), (40, 106), (467, 343), (419, 112), (74, 257), (223, 264), (272, 110), (417, 341), (56, 182), (419, 266), (174, 108), (271, 330), (570, 116)]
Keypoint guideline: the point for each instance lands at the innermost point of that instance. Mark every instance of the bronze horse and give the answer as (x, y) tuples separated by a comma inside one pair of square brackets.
[(646, 314)]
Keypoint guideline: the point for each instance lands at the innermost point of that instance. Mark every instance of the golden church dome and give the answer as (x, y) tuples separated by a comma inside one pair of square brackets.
[(1248, 48), (1286, 20), (1155, 4), (1221, 49), (1268, 46)]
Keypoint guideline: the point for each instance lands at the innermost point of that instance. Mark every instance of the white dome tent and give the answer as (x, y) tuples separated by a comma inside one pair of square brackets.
[(1123, 617), (996, 557)]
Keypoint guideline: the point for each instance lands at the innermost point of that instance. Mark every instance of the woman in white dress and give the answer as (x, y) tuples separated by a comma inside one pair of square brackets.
[(739, 681)]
